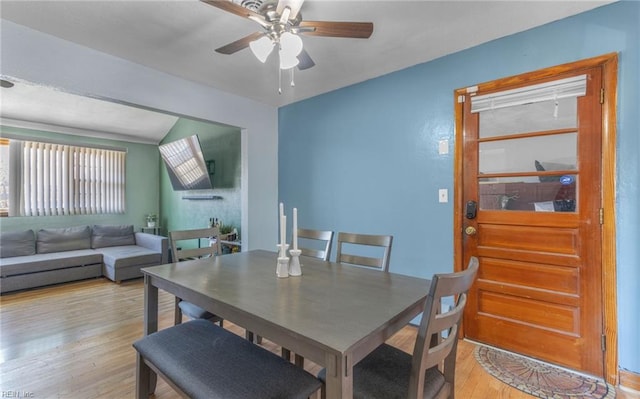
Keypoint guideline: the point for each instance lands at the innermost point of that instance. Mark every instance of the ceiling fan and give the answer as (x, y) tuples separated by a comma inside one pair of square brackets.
[(282, 24)]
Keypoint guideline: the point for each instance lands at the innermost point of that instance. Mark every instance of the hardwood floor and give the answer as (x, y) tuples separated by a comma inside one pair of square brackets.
[(74, 341)]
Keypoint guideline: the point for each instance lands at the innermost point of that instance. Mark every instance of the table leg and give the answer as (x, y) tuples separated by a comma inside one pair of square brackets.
[(339, 384), (150, 326)]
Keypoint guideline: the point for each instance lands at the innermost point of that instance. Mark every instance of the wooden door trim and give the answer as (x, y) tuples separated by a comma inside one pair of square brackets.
[(609, 267), (609, 65)]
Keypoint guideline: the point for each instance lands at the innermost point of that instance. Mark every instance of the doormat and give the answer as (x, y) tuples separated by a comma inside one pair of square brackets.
[(541, 379)]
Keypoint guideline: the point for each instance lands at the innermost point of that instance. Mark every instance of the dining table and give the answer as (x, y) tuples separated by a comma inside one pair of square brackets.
[(333, 314)]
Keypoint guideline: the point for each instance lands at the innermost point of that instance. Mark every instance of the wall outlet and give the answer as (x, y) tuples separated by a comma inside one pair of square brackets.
[(443, 195)]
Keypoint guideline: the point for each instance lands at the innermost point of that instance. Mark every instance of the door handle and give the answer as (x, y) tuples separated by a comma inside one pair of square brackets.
[(470, 231)]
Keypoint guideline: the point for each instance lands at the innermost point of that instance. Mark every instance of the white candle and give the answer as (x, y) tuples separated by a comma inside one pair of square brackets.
[(280, 215), (283, 235), (295, 228)]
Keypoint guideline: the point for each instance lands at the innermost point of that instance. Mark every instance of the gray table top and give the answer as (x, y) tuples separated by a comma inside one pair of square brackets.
[(334, 306)]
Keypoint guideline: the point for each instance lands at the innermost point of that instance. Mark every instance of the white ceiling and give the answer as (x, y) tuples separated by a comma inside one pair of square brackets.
[(179, 36), (30, 106)]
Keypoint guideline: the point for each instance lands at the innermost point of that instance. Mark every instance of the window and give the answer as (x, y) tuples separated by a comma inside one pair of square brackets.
[(47, 179), (528, 146)]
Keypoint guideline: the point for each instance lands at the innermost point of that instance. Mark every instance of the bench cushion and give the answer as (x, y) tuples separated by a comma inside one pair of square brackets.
[(206, 361), (17, 243), (63, 239), (112, 236)]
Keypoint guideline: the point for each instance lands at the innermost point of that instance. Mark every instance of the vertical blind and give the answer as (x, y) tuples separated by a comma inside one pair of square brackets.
[(61, 179)]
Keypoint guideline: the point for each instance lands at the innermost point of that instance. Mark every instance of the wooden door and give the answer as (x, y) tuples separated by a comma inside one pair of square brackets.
[(537, 185)]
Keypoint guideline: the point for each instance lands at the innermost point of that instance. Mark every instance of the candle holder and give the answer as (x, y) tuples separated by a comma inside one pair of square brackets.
[(282, 265), (282, 269), (294, 265)]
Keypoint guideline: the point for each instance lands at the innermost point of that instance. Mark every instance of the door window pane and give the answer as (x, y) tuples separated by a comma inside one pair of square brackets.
[(555, 194), (529, 154), (535, 117)]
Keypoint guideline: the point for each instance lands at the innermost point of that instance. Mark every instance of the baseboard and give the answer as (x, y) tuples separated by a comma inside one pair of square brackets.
[(629, 380)]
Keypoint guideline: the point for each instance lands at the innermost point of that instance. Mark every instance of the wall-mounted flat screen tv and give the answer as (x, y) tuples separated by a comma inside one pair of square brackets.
[(185, 164)]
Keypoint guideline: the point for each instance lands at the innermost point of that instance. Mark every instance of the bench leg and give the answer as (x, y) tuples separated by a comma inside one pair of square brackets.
[(286, 353), (299, 360), (145, 379), (177, 312)]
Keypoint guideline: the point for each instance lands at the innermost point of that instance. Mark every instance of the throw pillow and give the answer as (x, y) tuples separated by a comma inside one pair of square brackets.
[(17, 243), (63, 239), (112, 236)]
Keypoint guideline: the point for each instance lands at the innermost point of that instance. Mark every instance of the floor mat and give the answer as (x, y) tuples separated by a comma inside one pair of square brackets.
[(541, 379)]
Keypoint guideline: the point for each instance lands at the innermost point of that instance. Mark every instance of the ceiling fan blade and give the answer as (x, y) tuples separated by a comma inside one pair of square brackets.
[(233, 8), (358, 30), (239, 44), (294, 6), (305, 61)]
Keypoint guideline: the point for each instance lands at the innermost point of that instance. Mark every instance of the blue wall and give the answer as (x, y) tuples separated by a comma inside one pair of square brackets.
[(364, 158)]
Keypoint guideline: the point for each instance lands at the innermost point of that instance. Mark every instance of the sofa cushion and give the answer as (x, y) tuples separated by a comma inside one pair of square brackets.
[(112, 236), (49, 261), (17, 243), (128, 255), (63, 239)]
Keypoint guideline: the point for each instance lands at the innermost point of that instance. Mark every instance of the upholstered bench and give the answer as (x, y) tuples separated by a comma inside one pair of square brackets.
[(202, 360)]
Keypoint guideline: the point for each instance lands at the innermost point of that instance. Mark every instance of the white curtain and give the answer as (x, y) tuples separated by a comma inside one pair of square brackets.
[(16, 199), (67, 180)]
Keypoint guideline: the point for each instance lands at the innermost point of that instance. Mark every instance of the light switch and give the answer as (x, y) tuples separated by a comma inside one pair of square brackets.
[(443, 195), (443, 147)]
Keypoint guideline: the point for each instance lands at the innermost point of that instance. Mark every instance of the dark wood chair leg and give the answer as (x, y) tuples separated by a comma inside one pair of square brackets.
[(177, 312), (286, 354)]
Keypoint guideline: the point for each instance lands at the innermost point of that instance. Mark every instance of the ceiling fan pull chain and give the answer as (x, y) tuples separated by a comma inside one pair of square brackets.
[(293, 84), (279, 80)]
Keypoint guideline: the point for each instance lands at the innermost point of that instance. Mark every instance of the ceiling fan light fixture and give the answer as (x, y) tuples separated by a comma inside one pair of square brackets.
[(261, 48), (290, 47)]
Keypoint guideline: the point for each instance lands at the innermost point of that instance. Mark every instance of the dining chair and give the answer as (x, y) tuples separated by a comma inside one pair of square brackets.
[(194, 251), (388, 372), (349, 241), (315, 243), (201, 360)]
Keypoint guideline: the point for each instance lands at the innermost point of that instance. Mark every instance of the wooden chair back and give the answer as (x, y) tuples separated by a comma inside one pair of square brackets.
[(211, 249), (436, 343), (323, 237), (366, 240)]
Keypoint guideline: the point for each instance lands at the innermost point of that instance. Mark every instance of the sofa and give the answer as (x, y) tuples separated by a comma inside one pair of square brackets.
[(56, 255)]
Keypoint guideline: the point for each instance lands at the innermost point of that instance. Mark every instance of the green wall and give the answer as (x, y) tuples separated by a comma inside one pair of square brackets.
[(141, 179), (222, 144)]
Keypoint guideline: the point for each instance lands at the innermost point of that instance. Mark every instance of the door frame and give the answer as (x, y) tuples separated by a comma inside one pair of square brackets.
[(609, 65)]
